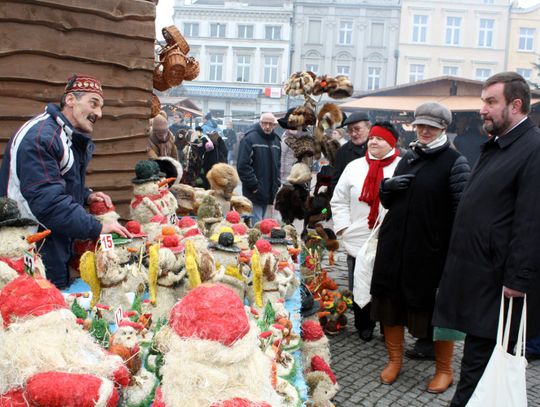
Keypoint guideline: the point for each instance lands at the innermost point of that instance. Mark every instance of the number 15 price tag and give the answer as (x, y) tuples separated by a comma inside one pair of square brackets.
[(106, 242)]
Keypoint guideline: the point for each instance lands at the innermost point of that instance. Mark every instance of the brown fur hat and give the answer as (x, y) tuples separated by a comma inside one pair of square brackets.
[(329, 117), (300, 174), (241, 204), (302, 116), (303, 146), (324, 84), (223, 178), (299, 83), (344, 89), (185, 195), (290, 203), (329, 148)]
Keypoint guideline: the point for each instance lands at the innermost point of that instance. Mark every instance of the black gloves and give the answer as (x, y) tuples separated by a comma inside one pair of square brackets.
[(397, 183)]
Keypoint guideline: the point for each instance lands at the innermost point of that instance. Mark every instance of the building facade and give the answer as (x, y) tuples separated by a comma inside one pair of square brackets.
[(461, 38), (347, 37), (243, 50)]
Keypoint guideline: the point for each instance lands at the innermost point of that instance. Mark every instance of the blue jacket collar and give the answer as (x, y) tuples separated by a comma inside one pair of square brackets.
[(68, 128)]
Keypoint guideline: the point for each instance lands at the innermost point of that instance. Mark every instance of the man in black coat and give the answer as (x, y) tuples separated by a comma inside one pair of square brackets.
[(259, 161), (494, 243)]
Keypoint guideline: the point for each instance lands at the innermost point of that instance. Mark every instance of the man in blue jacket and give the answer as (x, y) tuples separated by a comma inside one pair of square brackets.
[(44, 170), (259, 161)]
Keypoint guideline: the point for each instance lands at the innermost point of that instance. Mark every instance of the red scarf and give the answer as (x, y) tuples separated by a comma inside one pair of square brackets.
[(370, 190), (137, 199), (17, 265)]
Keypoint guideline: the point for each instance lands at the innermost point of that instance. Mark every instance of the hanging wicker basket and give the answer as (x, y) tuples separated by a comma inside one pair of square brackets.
[(192, 69), (158, 79), (156, 106), (174, 66), (173, 36)]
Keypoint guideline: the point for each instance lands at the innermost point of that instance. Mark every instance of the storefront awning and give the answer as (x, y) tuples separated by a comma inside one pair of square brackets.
[(221, 91)]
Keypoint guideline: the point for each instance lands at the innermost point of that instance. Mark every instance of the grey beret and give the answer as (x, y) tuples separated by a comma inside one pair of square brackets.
[(433, 114)]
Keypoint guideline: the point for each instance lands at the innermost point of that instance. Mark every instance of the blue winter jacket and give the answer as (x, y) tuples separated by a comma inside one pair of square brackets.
[(44, 170), (259, 161)]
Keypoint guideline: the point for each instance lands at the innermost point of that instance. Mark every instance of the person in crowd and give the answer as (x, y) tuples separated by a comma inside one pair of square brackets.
[(210, 124), (469, 139), (356, 206), (259, 162), (494, 244), (44, 169), (339, 135), (161, 142), (229, 135), (215, 152), (178, 124), (358, 126), (421, 199)]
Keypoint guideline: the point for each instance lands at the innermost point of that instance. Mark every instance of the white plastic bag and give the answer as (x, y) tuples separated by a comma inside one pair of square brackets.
[(363, 269), (503, 383)]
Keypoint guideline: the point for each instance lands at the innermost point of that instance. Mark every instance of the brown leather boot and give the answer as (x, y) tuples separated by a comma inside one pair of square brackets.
[(393, 337), (443, 378)]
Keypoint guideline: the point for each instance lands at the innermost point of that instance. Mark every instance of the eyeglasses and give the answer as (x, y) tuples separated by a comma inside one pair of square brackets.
[(268, 124), (356, 129)]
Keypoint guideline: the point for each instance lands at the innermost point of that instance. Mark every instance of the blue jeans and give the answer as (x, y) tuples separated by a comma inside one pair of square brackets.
[(258, 212)]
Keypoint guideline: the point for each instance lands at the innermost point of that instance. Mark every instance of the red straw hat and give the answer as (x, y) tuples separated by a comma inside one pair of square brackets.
[(99, 208), (263, 246), (233, 217), (311, 331), (186, 222), (267, 225), (319, 365), (134, 228)]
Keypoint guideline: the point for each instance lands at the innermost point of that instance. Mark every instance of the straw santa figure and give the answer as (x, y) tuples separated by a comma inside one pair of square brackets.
[(46, 358), (213, 353), (314, 342)]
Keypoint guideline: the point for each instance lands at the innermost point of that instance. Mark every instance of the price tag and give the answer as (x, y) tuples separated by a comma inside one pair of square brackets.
[(29, 263), (118, 314), (106, 242), (172, 219)]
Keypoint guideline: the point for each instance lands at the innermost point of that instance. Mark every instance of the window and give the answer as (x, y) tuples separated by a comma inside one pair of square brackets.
[(217, 30), (245, 31), (453, 29), (272, 32), (270, 69), (345, 32), (526, 39), (313, 68), (485, 33), (417, 72), (343, 70), (481, 74), (419, 33), (526, 73), (191, 29), (450, 70), (314, 31), (216, 67), (377, 34), (374, 78), (242, 68)]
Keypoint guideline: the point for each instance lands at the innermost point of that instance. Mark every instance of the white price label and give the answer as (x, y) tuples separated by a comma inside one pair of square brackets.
[(106, 242), (118, 314), (172, 219), (29, 263)]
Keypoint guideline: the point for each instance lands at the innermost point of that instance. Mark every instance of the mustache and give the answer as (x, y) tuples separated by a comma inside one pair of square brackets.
[(92, 117)]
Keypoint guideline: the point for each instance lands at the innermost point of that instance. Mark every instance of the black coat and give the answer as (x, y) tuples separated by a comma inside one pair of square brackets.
[(496, 237), (217, 155), (259, 161), (414, 236), (344, 155)]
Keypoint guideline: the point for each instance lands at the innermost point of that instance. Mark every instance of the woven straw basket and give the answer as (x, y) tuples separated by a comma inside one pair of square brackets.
[(173, 36), (156, 106), (192, 69), (174, 66), (158, 79)]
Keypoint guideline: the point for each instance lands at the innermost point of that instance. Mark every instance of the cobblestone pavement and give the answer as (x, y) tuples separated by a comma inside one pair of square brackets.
[(357, 365)]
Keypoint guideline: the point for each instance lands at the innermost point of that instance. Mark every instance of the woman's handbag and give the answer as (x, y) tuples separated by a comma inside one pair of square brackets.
[(363, 269), (503, 383)]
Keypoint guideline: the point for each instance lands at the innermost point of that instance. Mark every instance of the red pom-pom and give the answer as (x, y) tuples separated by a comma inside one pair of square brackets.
[(171, 241), (192, 232), (134, 227), (319, 365), (121, 376), (239, 229), (213, 312), (311, 331), (13, 398), (267, 225), (232, 217), (186, 222), (99, 208), (263, 246)]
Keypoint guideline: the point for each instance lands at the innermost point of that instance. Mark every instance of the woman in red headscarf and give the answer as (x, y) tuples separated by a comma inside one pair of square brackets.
[(355, 204)]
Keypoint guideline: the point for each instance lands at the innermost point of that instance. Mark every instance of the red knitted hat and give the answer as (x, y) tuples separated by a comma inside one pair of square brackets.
[(232, 217), (28, 296), (267, 225), (134, 228), (319, 365), (135, 325), (186, 222), (263, 246), (385, 134), (99, 208), (311, 331), (83, 83), (239, 228), (192, 232), (238, 402), (212, 312), (172, 242)]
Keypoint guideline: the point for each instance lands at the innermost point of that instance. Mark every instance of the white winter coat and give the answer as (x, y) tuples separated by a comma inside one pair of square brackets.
[(350, 214)]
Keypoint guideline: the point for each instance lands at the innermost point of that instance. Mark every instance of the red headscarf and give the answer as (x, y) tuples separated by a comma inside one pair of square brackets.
[(370, 190)]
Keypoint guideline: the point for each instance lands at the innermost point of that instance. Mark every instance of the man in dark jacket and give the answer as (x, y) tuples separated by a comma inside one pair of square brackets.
[(44, 172), (259, 161), (229, 135), (358, 126), (494, 243)]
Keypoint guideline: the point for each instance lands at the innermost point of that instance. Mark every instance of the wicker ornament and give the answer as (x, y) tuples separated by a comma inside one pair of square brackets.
[(173, 36), (174, 65), (158, 80), (192, 69), (156, 106)]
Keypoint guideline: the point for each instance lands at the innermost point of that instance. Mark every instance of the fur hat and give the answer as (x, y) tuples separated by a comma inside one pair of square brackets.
[(300, 174), (210, 312), (344, 88), (284, 121), (223, 177), (324, 84), (301, 116), (299, 83), (241, 204), (11, 216), (28, 296), (290, 202), (330, 116), (185, 195), (303, 146), (329, 148)]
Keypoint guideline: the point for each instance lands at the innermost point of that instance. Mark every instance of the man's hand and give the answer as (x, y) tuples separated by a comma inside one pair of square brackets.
[(115, 227), (398, 183), (509, 293), (100, 197)]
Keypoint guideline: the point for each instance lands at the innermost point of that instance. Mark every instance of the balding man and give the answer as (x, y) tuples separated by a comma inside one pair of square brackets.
[(259, 161), (161, 140)]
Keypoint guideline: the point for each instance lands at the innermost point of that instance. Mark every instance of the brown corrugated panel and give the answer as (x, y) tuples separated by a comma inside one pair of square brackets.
[(46, 41)]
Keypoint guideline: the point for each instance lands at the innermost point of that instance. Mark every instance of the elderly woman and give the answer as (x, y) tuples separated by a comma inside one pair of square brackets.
[(355, 204), (421, 199)]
